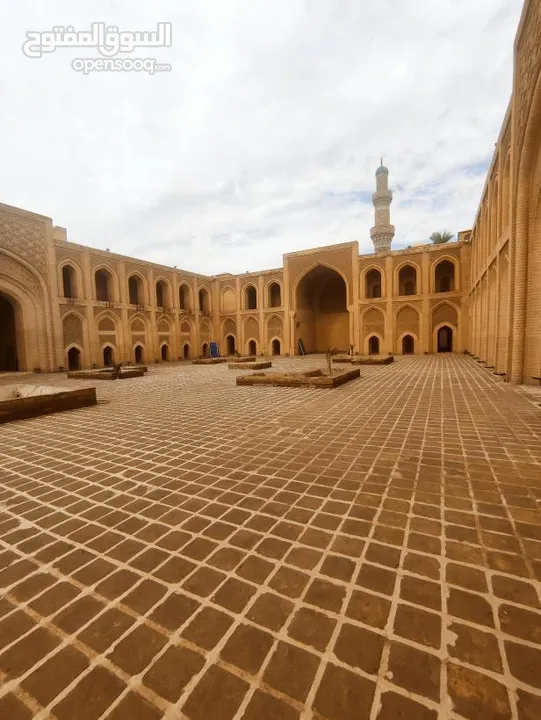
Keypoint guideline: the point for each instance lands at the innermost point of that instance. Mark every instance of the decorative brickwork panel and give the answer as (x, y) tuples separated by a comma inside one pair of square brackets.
[(229, 300), (407, 320), (275, 327), (66, 309), (105, 260), (230, 326), (373, 322), (25, 238), (205, 330), (63, 253), (107, 325), (186, 328), (98, 309), (445, 313), (164, 327), (73, 330), (15, 270), (251, 328), (138, 325), (137, 338)]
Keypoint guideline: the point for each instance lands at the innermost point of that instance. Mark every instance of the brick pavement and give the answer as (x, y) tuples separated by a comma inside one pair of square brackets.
[(190, 549)]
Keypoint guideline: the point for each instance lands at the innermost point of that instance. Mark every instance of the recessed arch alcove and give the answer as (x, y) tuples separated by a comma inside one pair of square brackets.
[(321, 317)]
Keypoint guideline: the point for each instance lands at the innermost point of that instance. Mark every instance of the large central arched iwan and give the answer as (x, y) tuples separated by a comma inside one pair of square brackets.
[(321, 318)]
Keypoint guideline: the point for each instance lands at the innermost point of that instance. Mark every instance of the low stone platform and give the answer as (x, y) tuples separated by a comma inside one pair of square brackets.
[(18, 402), (209, 361), (144, 368), (258, 365), (364, 359), (243, 359), (107, 374), (312, 378)]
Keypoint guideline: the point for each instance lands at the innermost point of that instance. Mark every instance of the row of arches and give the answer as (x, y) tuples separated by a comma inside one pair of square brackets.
[(408, 343), (104, 288), (109, 353), (250, 297), (444, 279), (139, 355)]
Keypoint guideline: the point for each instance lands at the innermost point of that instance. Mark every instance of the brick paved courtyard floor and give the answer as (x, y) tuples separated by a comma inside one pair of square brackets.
[(190, 549)]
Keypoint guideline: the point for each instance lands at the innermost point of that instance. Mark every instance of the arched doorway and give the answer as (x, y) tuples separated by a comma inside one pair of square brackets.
[(165, 352), (8, 336), (276, 347), (138, 354), (408, 345), (108, 356), (186, 351), (445, 339), (230, 343), (321, 317), (252, 347), (205, 349), (373, 345), (74, 359)]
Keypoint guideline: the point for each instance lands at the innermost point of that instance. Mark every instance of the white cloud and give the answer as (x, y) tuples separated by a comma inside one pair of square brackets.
[(267, 131)]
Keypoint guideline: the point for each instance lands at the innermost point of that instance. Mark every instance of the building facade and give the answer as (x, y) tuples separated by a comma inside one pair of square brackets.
[(64, 305)]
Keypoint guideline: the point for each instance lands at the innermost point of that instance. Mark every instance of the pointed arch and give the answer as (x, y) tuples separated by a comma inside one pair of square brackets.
[(70, 282), (163, 293), (185, 296), (74, 354), (28, 294), (368, 283), (73, 329), (137, 288), (309, 269), (407, 320), (274, 293), (454, 277), (407, 278), (228, 299), (249, 296), (105, 283), (139, 318), (203, 297)]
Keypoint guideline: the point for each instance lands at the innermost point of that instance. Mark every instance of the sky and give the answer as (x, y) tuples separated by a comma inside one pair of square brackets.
[(264, 136)]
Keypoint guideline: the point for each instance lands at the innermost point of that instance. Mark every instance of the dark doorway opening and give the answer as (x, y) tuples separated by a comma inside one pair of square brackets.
[(186, 351), (165, 353), (205, 349), (138, 354), (276, 349), (8, 337), (108, 356), (252, 347), (445, 339), (373, 345), (230, 341), (408, 345), (74, 359)]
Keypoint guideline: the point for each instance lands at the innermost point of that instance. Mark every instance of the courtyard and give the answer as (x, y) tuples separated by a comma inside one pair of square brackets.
[(192, 549)]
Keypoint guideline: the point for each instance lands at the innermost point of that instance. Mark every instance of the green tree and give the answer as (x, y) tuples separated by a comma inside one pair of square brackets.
[(438, 238)]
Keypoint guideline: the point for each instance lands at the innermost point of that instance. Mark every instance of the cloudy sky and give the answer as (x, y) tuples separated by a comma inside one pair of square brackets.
[(265, 135)]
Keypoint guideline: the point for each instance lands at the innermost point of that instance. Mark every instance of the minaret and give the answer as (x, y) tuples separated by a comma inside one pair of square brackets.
[(382, 233)]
